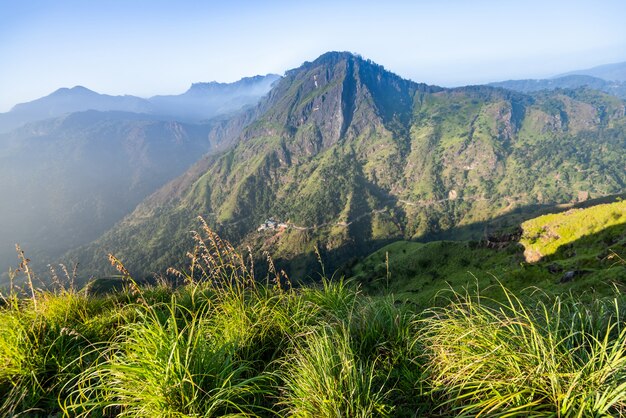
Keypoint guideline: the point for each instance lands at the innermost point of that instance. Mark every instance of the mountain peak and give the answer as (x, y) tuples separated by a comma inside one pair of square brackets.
[(76, 90), (338, 95), (263, 82), (79, 89), (330, 58), (334, 56)]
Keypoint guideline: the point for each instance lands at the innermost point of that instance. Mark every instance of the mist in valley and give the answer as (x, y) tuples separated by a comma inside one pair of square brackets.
[(74, 163)]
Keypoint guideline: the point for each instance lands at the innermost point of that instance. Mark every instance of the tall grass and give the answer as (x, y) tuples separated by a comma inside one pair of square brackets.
[(227, 343), (180, 358), (43, 349), (491, 358), (325, 378), (44, 341), (357, 359), (165, 364)]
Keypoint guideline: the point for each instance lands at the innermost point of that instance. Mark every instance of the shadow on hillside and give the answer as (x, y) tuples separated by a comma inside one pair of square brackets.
[(512, 219), (593, 249), (589, 267), (580, 266), (341, 260)]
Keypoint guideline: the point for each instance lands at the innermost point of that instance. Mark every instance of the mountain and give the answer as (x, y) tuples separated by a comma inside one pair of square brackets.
[(609, 72), (346, 156), (68, 174), (201, 102), (64, 101), (65, 181), (206, 100), (615, 88)]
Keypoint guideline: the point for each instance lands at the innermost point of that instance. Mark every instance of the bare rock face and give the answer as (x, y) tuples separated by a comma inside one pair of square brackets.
[(532, 256)]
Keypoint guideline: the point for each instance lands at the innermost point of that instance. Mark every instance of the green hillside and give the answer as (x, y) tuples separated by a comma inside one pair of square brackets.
[(589, 229), (573, 251), (347, 156)]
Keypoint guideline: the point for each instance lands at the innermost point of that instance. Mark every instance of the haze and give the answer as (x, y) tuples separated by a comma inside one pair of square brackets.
[(148, 47)]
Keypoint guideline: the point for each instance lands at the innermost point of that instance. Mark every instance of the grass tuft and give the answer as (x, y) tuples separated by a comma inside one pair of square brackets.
[(165, 364), (325, 378), (490, 358)]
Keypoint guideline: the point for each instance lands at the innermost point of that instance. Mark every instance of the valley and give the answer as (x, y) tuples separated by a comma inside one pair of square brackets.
[(81, 161)]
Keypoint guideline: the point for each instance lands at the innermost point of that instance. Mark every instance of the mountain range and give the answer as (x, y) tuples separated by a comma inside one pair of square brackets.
[(574, 81), (79, 161), (338, 156), (609, 72), (201, 102), (610, 78), (344, 156)]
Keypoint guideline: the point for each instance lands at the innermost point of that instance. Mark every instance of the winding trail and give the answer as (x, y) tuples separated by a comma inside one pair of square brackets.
[(420, 203), (510, 200)]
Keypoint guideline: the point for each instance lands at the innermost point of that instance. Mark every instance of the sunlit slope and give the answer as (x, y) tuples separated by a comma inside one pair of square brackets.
[(581, 250), (545, 235)]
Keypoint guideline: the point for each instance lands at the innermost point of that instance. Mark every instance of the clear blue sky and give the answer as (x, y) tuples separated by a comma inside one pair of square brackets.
[(147, 47)]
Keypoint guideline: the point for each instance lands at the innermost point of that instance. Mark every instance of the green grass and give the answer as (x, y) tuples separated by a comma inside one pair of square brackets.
[(558, 358), (324, 377), (419, 271), (43, 346), (545, 235), (584, 242), (165, 364), (224, 344)]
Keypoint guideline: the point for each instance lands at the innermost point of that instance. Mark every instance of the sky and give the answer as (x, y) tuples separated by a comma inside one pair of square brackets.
[(149, 47)]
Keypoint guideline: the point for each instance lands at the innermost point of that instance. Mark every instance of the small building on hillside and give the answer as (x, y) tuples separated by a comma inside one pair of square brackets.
[(272, 224)]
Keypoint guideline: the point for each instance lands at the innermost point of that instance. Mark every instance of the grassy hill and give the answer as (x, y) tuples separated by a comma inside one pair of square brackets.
[(592, 231), (572, 251)]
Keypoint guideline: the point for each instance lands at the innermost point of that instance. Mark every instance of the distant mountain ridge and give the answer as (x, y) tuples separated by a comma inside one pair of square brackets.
[(573, 81), (67, 179), (201, 102), (205, 100), (344, 156), (68, 100), (609, 72)]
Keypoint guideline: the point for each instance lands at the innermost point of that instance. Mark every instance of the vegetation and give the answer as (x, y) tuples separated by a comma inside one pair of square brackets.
[(351, 156), (572, 251), (520, 322), (558, 358), (227, 344), (545, 235)]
